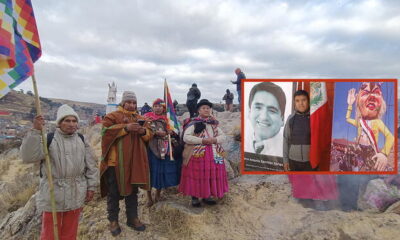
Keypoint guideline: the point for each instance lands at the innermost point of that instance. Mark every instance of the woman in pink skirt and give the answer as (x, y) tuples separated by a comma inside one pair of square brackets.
[(203, 171)]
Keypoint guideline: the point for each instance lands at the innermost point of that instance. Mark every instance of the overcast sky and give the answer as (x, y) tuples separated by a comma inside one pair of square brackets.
[(89, 43)]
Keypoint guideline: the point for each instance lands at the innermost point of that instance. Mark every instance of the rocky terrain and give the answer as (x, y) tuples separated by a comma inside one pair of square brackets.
[(256, 207), (22, 106)]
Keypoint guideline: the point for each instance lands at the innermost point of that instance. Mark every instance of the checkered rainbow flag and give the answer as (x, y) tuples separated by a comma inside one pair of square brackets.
[(19, 43), (173, 123)]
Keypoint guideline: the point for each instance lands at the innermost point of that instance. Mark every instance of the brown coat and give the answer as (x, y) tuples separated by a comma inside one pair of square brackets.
[(130, 154)]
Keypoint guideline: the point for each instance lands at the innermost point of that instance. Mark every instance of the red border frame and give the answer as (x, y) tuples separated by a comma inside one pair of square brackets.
[(243, 172)]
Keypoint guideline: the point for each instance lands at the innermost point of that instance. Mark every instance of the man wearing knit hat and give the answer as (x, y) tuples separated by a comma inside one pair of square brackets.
[(124, 166), (74, 171)]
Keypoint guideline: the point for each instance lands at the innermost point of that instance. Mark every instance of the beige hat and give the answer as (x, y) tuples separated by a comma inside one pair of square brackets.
[(128, 96), (65, 111)]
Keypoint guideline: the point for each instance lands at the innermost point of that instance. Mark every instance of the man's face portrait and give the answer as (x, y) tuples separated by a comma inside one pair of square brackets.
[(370, 100), (265, 115)]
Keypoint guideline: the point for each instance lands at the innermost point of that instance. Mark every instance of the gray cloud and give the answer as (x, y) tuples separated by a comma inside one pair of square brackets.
[(87, 44)]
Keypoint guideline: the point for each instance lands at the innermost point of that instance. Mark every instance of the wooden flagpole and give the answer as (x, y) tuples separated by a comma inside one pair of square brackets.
[(47, 159), (166, 110)]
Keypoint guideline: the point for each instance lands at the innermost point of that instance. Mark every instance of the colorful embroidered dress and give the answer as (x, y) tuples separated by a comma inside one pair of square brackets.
[(164, 172), (204, 175)]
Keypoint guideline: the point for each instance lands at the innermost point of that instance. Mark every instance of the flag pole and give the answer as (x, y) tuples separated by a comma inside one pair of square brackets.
[(47, 159), (166, 112)]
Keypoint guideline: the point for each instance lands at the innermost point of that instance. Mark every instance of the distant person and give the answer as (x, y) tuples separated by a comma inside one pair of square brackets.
[(228, 97), (125, 166), (97, 119), (193, 96), (145, 109), (238, 82), (267, 103), (175, 105), (297, 135), (74, 171)]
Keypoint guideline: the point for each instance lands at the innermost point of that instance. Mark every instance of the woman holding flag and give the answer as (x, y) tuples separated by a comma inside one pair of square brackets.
[(203, 170), (164, 170)]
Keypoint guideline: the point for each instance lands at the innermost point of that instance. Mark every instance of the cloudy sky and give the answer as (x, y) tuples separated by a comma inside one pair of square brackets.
[(88, 44)]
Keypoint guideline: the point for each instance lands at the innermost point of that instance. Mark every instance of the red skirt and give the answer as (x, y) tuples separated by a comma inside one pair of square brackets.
[(203, 178), (317, 187)]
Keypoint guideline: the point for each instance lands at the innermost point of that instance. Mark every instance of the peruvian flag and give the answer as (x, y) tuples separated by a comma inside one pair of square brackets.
[(321, 125)]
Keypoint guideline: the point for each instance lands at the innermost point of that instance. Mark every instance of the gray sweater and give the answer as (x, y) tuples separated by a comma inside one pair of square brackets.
[(294, 151)]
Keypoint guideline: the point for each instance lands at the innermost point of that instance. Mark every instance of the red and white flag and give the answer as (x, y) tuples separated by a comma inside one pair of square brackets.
[(321, 124)]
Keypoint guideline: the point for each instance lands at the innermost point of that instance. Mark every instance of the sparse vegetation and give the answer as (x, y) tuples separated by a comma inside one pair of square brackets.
[(4, 166), (21, 197), (16, 193)]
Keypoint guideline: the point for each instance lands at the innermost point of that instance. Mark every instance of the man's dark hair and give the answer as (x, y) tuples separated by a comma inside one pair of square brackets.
[(274, 90), (302, 93)]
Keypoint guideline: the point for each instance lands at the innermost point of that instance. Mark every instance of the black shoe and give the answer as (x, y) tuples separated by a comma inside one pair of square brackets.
[(349, 208), (114, 228), (196, 202), (139, 228), (320, 205), (306, 203), (209, 201)]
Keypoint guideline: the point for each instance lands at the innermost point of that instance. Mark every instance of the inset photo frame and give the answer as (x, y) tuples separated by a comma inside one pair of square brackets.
[(349, 126)]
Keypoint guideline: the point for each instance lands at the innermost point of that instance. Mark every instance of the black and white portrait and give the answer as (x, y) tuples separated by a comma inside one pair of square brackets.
[(266, 108)]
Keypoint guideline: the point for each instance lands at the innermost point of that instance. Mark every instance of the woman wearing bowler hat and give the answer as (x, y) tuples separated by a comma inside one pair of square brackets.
[(203, 171)]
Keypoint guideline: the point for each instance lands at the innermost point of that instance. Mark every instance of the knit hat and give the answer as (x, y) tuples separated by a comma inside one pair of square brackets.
[(204, 102), (65, 111), (159, 101), (128, 96)]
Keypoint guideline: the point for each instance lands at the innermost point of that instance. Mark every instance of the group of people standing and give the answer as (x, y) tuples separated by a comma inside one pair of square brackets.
[(194, 95), (136, 153)]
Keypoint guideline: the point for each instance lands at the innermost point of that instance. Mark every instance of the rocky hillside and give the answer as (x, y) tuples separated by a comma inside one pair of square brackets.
[(22, 106), (256, 207)]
